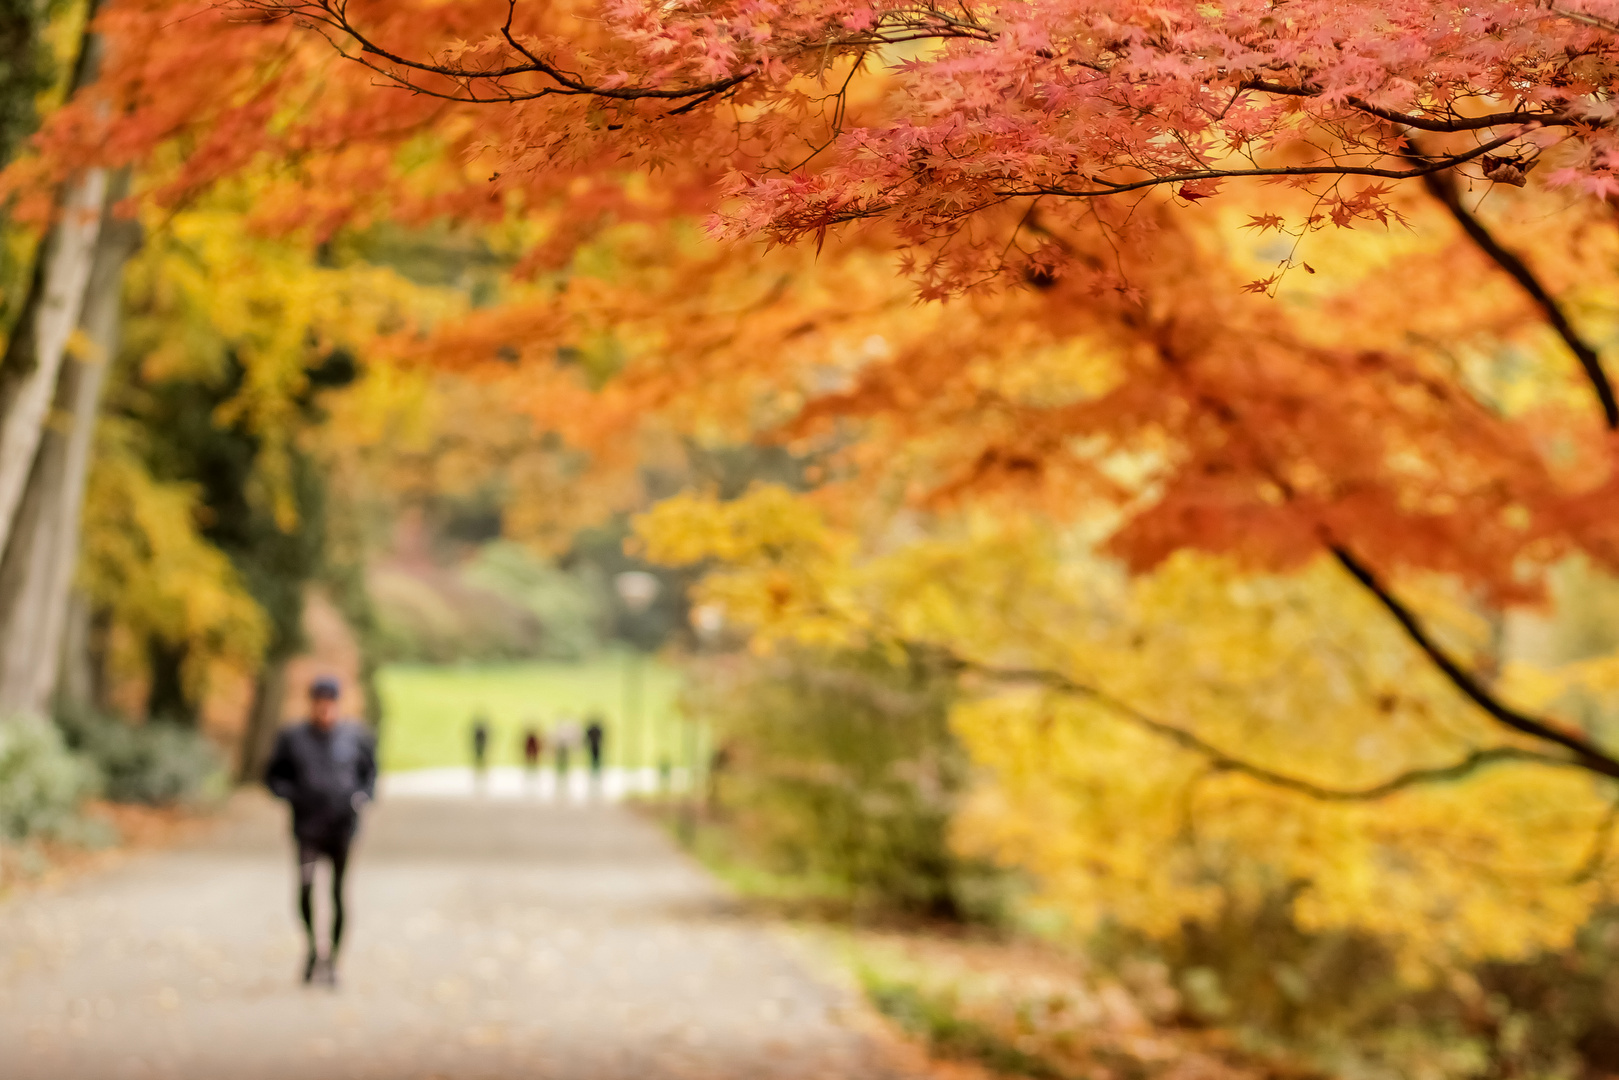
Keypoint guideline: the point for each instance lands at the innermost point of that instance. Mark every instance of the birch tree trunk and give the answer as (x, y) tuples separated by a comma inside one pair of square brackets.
[(33, 358), (78, 683), (36, 572), (50, 311)]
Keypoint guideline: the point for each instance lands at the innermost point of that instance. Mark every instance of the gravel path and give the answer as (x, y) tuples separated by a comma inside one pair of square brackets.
[(488, 941)]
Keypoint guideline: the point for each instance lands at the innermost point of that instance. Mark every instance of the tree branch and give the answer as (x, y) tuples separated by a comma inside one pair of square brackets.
[(1587, 20), (1223, 761), (1544, 118), (815, 222), (1587, 755), (897, 26), (1444, 189), (1429, 166)]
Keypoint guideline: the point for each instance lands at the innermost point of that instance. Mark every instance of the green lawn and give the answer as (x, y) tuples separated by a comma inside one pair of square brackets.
[(429, 709)]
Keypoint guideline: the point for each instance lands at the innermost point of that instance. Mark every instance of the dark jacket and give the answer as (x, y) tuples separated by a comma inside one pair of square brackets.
[(319, 773)]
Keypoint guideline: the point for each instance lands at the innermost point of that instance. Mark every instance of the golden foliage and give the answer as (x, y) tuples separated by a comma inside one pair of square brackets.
[(207, 288), (146, 564), (214, 303), (1301, 675)]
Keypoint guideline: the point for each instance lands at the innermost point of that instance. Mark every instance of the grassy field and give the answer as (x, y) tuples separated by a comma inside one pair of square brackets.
[(429, 709)]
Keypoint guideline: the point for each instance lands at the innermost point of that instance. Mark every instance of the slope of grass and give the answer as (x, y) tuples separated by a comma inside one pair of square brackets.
[(429, 709)]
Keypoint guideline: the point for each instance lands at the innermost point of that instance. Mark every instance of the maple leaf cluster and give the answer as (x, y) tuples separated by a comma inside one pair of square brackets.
[(789, 119), (817, 114)]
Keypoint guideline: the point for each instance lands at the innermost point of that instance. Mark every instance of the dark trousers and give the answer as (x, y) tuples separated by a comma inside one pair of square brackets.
[(335, 849)]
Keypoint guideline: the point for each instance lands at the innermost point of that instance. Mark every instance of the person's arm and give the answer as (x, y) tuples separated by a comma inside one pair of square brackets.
[(281, 775)]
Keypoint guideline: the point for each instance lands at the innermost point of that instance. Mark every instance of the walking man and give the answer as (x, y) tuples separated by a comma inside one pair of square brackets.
[(326, 769), (533, 746), (595, 736), (480, 746)]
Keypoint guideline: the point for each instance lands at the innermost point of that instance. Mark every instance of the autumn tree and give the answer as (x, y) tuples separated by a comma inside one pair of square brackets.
[(104, 147), (67, 283), (1018, 139), (1004, 130)]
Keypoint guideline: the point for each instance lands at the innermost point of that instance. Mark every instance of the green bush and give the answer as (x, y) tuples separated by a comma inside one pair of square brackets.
[(157, 763), (842, 768), (41, 782)]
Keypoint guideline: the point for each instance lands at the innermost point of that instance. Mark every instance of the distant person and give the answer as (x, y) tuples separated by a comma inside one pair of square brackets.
[(480, 745), (326, 769), (595, 738), (565, 738), (533, 747)]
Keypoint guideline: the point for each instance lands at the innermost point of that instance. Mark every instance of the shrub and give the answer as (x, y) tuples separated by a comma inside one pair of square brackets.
[(1340, 1001), (842, 768), (157, 763), (41, 782)]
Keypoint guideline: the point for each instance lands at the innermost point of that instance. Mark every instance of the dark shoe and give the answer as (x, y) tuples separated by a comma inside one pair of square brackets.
[(310, 967)]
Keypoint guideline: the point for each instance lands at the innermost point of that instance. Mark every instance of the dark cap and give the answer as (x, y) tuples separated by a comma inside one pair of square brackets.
[(325, 687)]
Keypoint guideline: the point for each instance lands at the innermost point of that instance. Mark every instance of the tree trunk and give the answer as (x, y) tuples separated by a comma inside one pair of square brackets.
[(51, 308), (269, 701), (33, 358), (166, 699), (36, 572), (78, 686)]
